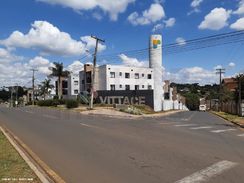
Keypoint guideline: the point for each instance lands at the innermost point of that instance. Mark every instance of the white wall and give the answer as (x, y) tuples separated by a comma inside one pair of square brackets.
[(73, 84), (105, 79), (156, 64)]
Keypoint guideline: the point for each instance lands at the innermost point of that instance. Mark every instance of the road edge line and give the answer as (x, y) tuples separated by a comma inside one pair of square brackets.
[(41, 169)]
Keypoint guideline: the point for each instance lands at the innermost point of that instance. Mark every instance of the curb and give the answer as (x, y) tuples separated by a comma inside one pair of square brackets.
[(235, 123), (43, 172), (134, 117)]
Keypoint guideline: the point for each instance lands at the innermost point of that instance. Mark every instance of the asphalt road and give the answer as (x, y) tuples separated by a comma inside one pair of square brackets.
[(184, 147)]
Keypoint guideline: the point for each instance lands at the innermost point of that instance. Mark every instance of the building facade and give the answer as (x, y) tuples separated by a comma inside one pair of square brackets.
[(73, 84), (116, 77)]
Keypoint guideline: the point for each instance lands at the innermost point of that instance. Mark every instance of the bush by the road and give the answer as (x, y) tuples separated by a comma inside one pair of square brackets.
[(48, 103), (72, 104)]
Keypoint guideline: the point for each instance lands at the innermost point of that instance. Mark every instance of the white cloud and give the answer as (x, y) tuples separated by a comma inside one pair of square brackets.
[(49, 40), (180, 41), (20, 72), (216, 19), (128, 61), (238, 25), (170, 22), (7, 56), (218, 67), (90, 43), (157, 27), (75, 67), (196, 3), (240, 9), (113, 8), (152, 15), (166, 23), (97, 16), (192, 75), (232, 64)]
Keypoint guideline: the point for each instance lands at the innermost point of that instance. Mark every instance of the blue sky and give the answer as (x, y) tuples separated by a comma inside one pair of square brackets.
[(125, 25)]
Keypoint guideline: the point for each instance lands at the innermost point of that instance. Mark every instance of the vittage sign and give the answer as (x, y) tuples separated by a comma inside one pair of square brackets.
[(139, 97)]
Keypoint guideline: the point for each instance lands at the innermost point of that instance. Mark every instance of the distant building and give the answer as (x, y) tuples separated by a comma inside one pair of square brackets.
[(230, 84), (172, 100)]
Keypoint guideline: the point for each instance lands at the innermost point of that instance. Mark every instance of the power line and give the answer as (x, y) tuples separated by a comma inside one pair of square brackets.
[(188, 45)]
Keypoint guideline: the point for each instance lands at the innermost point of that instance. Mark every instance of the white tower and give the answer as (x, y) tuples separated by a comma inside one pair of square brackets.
[(155, 62)]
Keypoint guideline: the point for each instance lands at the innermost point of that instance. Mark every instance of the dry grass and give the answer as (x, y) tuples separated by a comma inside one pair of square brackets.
[(12, 167), (232, 118)]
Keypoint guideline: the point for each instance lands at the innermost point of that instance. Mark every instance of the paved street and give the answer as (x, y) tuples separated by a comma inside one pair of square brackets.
[(183, 147)]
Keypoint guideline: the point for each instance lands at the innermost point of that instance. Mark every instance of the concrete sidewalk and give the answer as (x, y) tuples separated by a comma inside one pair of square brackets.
[(111, 112)]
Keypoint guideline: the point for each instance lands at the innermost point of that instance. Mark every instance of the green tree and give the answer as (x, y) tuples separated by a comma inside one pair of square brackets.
[(192, 101), (45, 88), (4, 94), (59, 72)]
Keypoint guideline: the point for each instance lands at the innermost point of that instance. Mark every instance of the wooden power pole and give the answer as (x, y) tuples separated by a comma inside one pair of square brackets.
[(220, 72), (94, 69), (33, 85)]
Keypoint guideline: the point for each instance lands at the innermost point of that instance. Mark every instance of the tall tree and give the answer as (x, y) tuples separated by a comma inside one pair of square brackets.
[(46, 87), (59, 72)]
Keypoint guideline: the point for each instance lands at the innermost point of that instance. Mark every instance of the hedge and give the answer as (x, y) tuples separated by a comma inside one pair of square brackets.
[(72, 104)]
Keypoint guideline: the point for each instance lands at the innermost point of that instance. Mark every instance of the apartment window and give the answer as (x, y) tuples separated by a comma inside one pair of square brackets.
[(65, 92), (64, 84), (127, 87), (112, 87), (127, 75), (120, 74), (120, 86), (149, 87), (76, 91), (149, 76), (83, 81), (136, 76), (76, 83), (136, 87), (142, 86), (143, 75), (112, 74)]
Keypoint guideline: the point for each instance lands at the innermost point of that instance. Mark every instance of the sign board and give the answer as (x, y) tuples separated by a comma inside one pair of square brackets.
[(127, 97)]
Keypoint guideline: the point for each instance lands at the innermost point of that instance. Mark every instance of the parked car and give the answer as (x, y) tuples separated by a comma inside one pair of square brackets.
[(202, 108)]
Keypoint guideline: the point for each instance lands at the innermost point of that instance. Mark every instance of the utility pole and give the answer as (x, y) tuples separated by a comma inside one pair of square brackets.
[(239, 97), (16, 92), (94, 69), (33, 85), (220, 72), (12, 102)]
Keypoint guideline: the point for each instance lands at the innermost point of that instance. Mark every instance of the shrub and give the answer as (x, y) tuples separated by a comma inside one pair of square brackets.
[(48, 103), (61, 101), (132, 110), (72, 104)]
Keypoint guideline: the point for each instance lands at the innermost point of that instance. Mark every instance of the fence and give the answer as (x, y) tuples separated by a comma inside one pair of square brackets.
[(231, 107)]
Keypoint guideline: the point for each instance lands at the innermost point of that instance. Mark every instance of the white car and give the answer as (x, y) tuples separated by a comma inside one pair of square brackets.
[(203, 108)]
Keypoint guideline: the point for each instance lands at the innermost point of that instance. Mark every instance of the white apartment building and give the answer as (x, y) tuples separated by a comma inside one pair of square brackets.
[(73, 85), (117, 77)]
